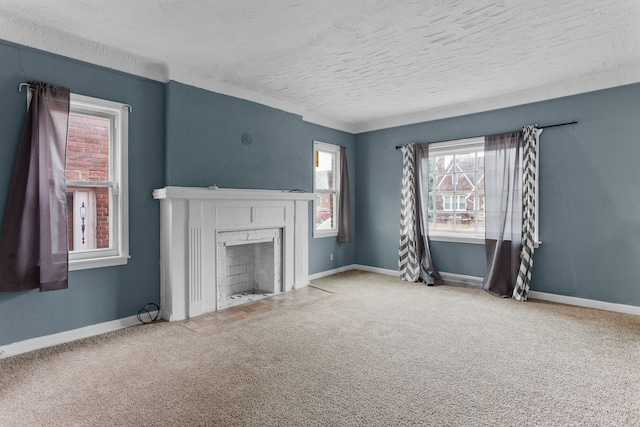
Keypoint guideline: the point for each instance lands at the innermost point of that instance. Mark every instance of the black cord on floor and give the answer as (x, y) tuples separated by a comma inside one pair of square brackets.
[(144, 314)]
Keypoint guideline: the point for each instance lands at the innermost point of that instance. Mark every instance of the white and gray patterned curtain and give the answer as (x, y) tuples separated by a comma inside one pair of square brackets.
[(510, 211), (415, 261), (529, 159), (408, 262)]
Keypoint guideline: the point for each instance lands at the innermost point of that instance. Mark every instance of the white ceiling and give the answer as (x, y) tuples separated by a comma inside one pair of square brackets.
[(354, 65)]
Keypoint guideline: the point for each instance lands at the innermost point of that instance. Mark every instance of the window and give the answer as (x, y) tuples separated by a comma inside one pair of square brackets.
[(97, 191), (460, 202), (326, 185), (456, 190)]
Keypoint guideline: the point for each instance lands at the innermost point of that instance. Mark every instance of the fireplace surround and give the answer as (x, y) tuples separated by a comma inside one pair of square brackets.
[(197, 225)]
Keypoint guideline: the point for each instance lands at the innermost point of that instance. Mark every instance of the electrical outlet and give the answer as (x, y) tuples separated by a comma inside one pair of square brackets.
[(330, 257)]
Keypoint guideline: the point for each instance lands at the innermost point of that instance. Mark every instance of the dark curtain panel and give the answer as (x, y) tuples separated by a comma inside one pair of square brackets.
[(503, 210), (429, 272), (345, 230), (33, 244)]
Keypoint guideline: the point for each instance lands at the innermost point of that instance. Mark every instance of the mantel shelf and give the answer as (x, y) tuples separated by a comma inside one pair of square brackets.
[(205, 193)]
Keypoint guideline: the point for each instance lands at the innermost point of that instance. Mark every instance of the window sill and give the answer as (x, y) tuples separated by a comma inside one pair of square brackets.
[(474, 240), (86, 264), (322, 234), (456, 238)]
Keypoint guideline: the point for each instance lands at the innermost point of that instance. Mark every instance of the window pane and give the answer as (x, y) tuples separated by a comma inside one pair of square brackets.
[(443, 164), (444, 182), (325, 170), (465, 181), (444, 221), (466, 221), (88, 218), (88, 144), (480, 221), (480, 160), (102, 217), (88, 148), (444, 202), (480, 181), (465, 162), (457, 189), (325, 212)]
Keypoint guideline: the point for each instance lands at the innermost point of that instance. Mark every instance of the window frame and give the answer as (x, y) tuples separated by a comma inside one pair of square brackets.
[(461, 146), (335, 150), (457, 146), (118, 115)]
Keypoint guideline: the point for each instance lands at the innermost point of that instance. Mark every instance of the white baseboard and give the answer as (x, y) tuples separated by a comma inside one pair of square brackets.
[(330, 272), (588, 303), (476, 282), (370, 269), (353, 267), (67, 336)]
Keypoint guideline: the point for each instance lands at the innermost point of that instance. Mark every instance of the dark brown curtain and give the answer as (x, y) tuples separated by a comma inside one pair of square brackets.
[(503, 211), (33, 244), (345, 230), (429, 273)]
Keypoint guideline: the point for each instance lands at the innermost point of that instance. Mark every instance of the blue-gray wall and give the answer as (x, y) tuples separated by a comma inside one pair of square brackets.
[(103, 294), (589, 204), (181, 135), (178, 135), (204, 147)]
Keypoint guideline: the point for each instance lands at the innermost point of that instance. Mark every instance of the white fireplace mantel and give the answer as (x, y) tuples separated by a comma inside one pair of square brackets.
[(190, 220)]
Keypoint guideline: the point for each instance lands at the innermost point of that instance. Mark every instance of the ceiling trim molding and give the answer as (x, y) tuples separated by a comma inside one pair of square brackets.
[(26, 33), (616, 77), (20, 31)]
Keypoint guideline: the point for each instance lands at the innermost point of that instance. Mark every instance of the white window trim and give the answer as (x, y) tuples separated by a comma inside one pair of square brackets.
[(119, 254), (456, 146), (461, 145), (323, 146)]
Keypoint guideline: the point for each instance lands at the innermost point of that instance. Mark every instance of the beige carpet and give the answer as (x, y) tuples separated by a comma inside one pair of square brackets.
[(374, 351)]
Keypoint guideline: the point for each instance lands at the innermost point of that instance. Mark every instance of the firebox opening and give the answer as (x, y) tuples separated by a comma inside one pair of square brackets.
[(252, 272)]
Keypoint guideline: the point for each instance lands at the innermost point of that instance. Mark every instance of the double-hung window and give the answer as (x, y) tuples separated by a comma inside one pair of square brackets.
[(456, 211), (326, 186), (456, 190), (97, 190)]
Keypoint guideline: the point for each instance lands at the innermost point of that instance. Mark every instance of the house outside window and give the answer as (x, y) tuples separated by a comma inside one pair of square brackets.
[(460, 203), (456, 191), (97, 186), (326, 186)]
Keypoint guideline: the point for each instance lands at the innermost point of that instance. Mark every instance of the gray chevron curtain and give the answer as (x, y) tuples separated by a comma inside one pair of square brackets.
[(529, 167), (414, 262), (510, 165)]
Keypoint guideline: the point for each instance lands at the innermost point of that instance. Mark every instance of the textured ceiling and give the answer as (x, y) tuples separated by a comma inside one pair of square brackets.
[(353, 65)]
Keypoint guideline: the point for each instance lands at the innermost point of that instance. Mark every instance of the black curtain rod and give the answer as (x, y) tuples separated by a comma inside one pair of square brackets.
[(479, 136)]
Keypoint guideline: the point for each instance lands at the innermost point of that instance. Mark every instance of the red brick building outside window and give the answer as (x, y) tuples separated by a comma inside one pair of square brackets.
[(88, 157)]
